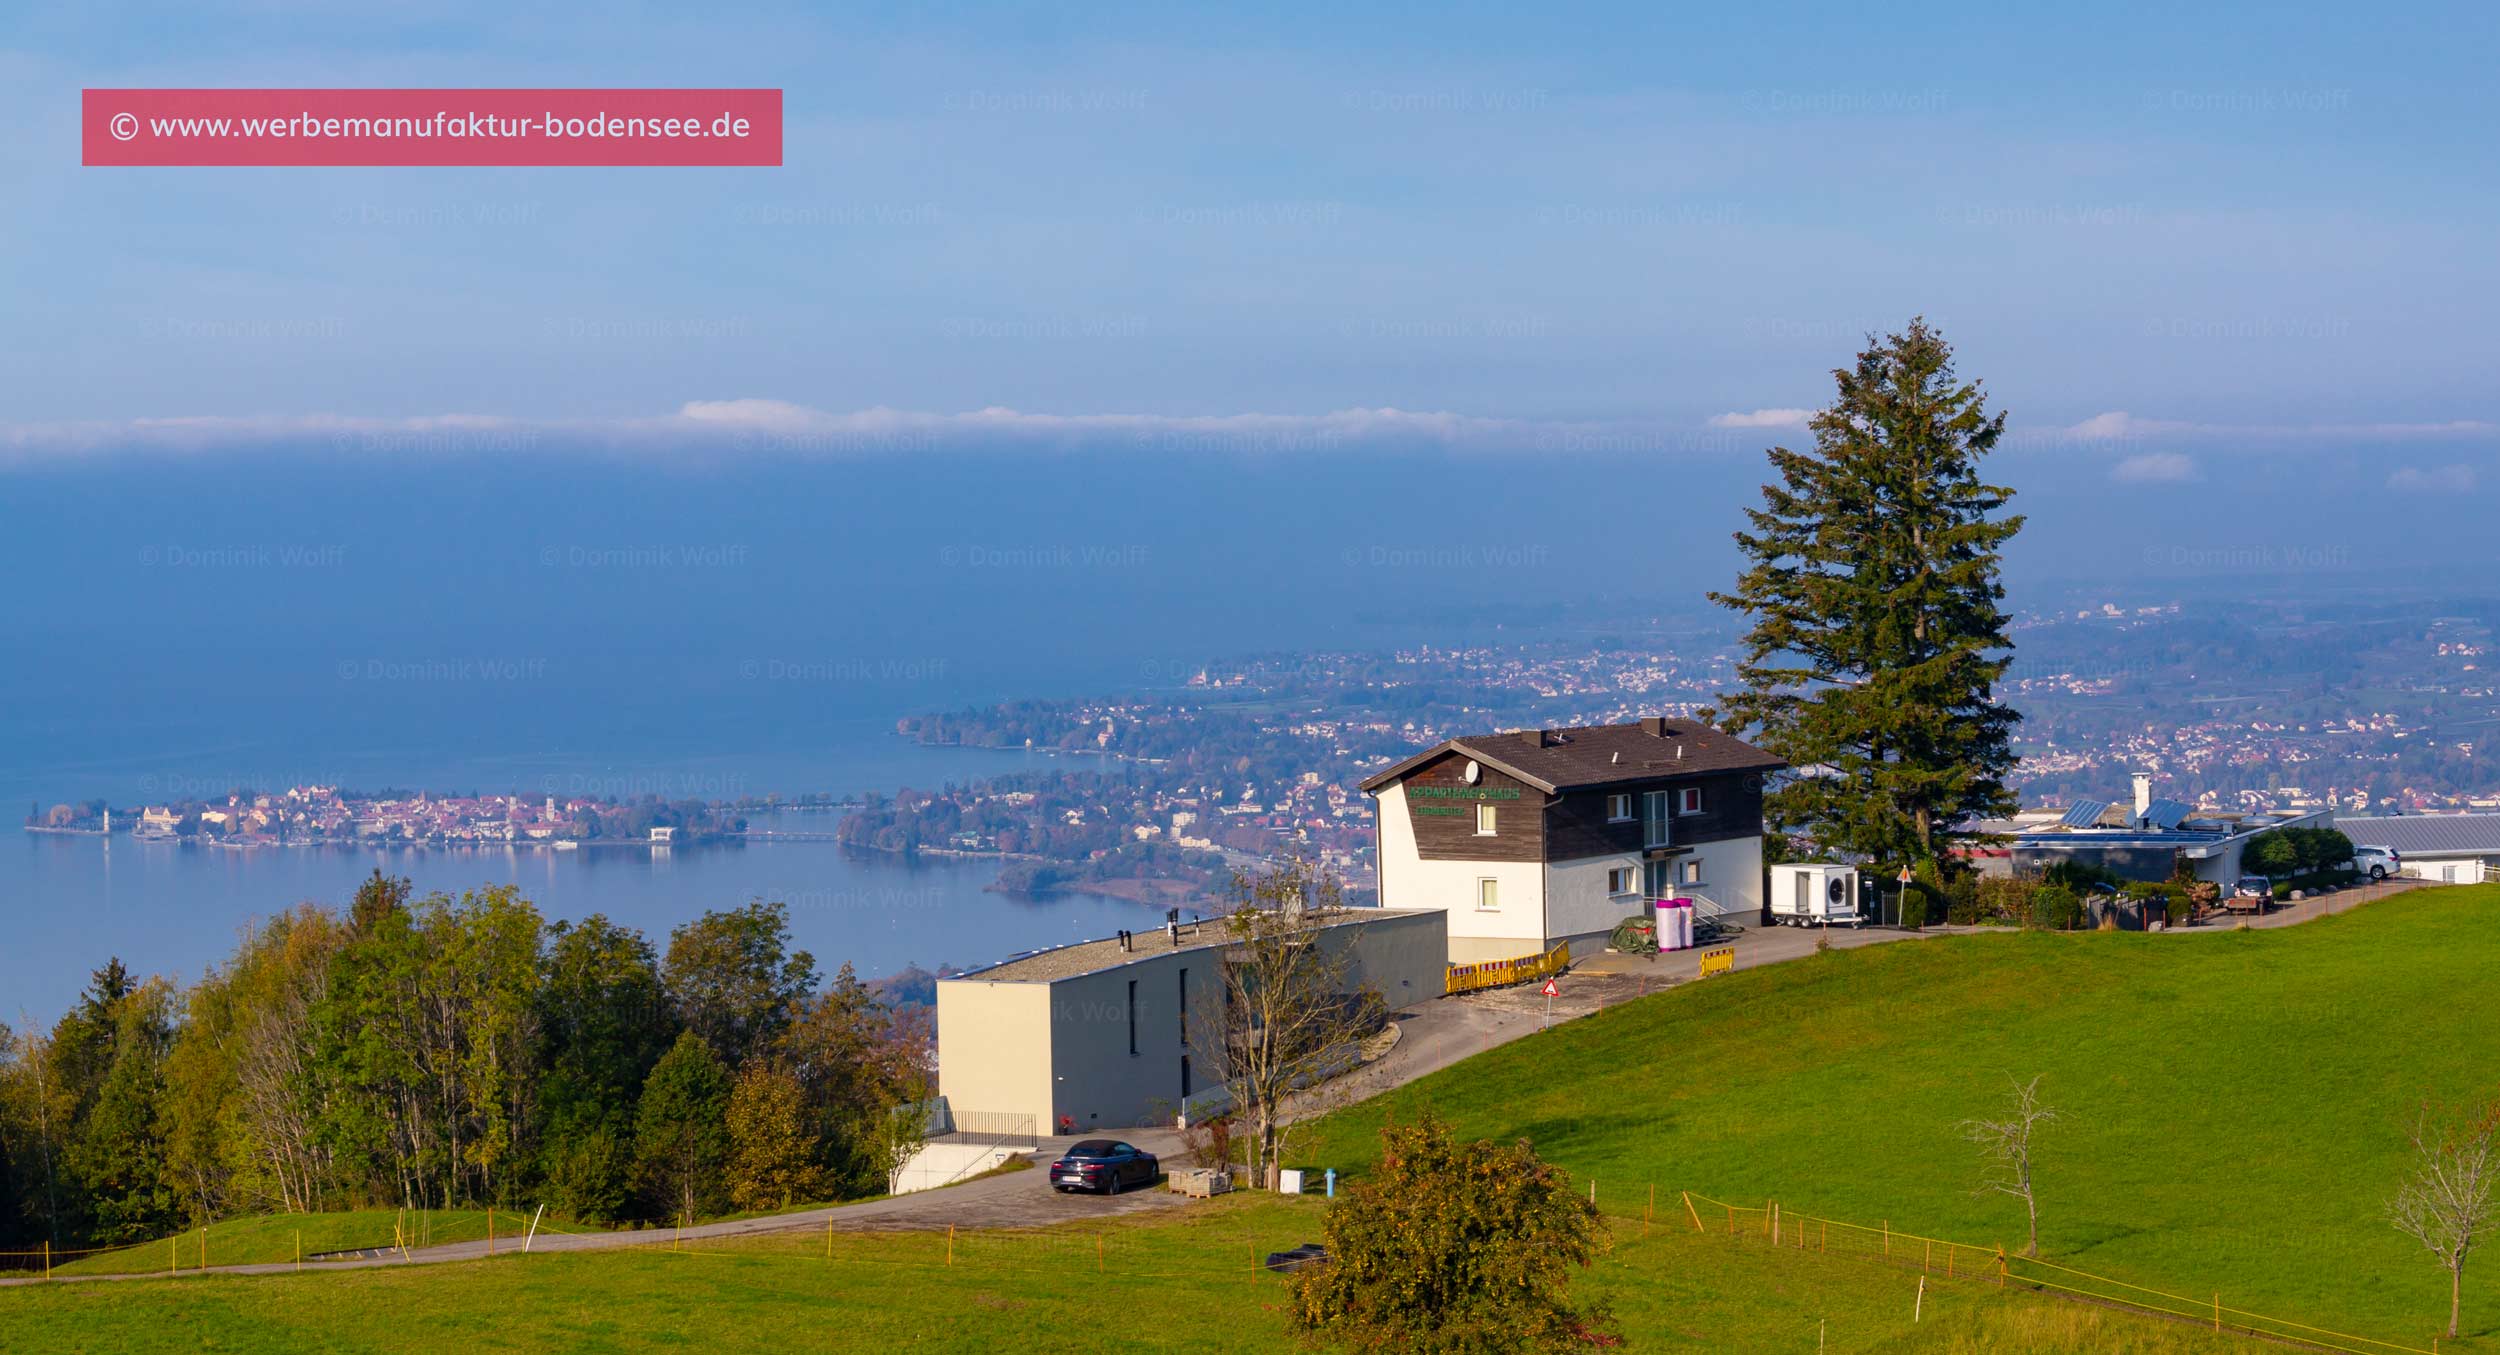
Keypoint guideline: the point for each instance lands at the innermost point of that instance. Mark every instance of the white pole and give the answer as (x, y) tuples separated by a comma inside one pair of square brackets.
[(533, 1232), (1921, 1305)]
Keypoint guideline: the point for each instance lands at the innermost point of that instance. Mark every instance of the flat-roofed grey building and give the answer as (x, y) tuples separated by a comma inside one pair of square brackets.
[(1100, 1032)]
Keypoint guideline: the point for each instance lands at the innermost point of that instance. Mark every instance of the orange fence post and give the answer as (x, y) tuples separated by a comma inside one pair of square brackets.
[(1098, 1253), (47, 1258), (950, 1244), (1888, 1237), (2217, 1312)]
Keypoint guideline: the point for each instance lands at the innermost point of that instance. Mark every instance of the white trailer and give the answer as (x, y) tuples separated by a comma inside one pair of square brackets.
[(1816, 896)]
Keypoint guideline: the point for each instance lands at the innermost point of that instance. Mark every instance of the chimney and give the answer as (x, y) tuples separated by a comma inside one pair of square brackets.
[(1655, 726), (2143, 793), (1534, 738)]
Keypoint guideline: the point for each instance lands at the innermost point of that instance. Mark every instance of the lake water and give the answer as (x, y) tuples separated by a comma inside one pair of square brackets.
[(172, 908)]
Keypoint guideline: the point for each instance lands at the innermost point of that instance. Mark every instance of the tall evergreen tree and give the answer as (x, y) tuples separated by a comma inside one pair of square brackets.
[(1878, 631)]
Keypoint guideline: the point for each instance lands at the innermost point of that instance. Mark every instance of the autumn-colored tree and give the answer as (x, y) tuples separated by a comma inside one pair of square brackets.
[(1455, 1248), (772, 1157)]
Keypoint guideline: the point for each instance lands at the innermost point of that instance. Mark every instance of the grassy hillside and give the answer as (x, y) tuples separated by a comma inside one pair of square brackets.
[(2234, 1103), (272, 1238), (1184, 1282)]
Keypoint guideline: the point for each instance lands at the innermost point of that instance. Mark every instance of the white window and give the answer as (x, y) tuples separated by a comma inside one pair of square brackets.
[(1688, 800), (1484, 820), (1688, 871), (1488, 896), (1619, 807), (1619, 880)]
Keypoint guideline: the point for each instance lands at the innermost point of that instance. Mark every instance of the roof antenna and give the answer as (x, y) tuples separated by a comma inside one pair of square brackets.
[(1617, 756)]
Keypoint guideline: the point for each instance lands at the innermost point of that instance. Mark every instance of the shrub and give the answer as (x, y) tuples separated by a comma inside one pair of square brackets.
[(2054, 908), (1914, 909), (1961, 899), (2004, 899), (1455, 1247), (2181, 907)]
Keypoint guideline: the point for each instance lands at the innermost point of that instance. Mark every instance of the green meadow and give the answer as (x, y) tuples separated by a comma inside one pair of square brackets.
[(2233, 1105), (1185, 1281), (2232, 1109)]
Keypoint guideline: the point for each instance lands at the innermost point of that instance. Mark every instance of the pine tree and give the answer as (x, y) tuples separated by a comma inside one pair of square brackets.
[(1877, 633)]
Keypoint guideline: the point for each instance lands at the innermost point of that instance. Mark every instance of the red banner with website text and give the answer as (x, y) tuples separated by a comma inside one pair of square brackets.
[(430, 126)]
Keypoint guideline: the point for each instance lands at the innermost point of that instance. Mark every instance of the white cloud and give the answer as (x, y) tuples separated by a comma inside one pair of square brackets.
[(2119, 426), (1764, 418), (2437, 480), (2155, 468), (780, 426)]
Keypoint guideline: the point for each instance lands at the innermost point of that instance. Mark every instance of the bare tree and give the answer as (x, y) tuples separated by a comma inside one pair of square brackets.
[(2007, 1145), (2448, 1200), (1286, 1009)]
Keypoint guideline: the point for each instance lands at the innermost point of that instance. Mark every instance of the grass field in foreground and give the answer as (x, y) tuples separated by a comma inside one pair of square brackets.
[(2234, 1104), (1169, 1281), (268, 1238)]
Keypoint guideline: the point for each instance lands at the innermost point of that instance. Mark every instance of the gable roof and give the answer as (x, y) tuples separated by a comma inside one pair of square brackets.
[(1558, 760), (2426, 834)]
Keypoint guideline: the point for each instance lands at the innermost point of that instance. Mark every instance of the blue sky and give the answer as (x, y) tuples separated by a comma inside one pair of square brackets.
[(2165, 237)]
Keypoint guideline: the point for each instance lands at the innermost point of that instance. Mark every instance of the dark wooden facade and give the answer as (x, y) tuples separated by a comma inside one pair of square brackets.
[(1441, 804), (1532, 826)]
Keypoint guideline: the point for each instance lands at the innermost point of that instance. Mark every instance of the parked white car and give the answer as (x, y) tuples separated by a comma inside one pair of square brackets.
[(2378, 862)]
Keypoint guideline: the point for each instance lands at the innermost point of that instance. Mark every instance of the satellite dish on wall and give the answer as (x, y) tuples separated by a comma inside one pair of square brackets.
[(1473, 773)]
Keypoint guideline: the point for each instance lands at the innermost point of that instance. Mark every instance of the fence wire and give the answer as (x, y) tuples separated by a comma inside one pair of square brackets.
[(1782, 1227)]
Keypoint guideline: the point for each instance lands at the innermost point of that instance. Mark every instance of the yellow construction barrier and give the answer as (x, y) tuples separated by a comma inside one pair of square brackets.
[(1720, 961), (1467, 978)]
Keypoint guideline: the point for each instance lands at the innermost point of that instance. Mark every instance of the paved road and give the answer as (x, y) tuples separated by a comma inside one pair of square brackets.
[(1431, 1037)]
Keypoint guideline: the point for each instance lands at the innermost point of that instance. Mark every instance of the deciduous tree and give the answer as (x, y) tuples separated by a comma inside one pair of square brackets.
[(2448, 1201), (1285, 1008), (772, 1157), (681, 1143), (2007, 1144), (1455, 1248), (734, 978)]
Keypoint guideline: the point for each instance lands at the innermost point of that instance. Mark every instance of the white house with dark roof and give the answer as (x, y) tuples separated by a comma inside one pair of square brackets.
[(2449, 848), (1538, 836)]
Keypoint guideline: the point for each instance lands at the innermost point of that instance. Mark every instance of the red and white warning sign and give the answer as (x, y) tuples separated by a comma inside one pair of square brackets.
[(1551, 990)]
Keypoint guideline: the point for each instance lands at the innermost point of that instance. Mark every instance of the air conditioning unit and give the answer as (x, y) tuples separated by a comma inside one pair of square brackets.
[(1817, 896)]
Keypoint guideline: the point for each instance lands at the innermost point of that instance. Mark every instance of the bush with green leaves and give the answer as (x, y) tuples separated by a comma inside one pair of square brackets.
[(2054, 908), (1455, 1248)]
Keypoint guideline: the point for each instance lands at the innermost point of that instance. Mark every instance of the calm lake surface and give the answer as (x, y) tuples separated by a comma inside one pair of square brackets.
[(73, 902)]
